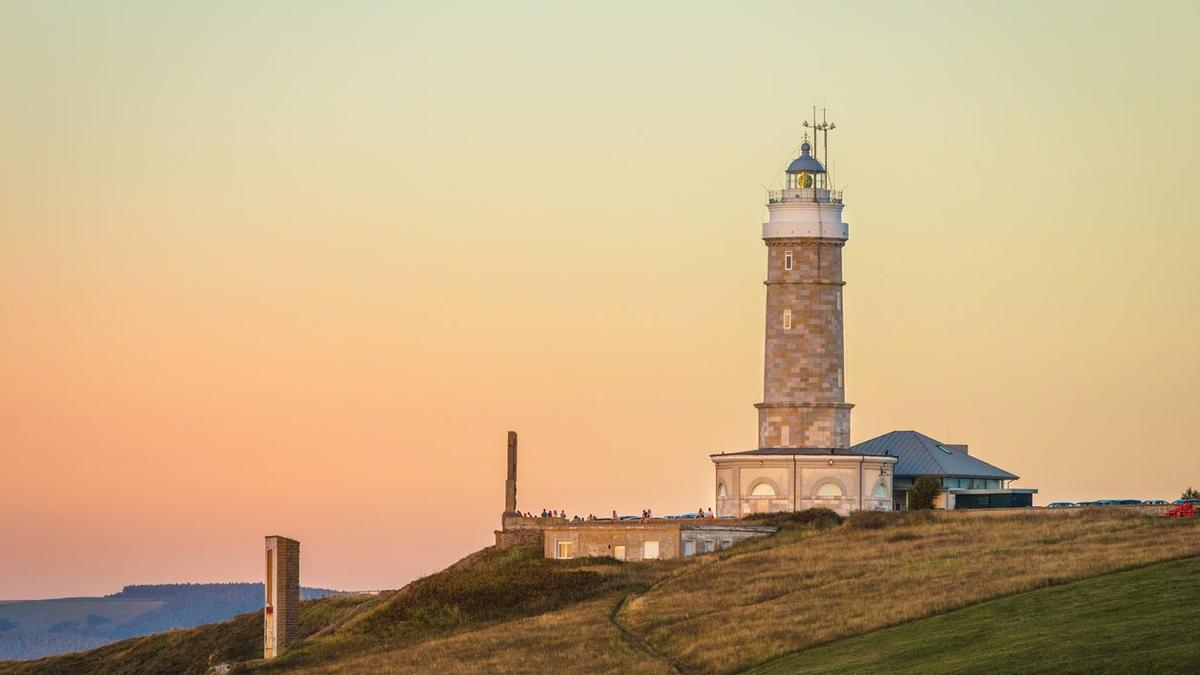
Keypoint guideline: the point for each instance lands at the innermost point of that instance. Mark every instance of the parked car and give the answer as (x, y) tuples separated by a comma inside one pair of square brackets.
[(1193, 502), (1060, 505), (1155, 502), (630, 518)]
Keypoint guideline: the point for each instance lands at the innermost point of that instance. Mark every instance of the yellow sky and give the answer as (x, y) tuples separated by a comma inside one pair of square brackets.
[(296, 267)]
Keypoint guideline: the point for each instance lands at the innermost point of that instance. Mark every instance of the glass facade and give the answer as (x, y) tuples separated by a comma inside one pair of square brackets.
[(972, 483)]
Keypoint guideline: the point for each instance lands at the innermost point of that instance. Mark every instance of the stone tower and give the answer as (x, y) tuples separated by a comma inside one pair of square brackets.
[(281, 613), (510, 483), (804, 401)]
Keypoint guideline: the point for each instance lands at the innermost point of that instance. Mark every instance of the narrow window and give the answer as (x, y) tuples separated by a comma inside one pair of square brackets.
[(840, 377), (787, 260), (269, 587), (785, 435), (839, 301), (787, 319)]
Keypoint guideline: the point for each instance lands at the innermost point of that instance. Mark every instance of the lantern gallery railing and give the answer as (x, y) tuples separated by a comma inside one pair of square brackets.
[(804, 195)]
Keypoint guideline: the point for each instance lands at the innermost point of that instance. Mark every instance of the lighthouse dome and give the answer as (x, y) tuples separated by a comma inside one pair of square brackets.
[(805, 163)]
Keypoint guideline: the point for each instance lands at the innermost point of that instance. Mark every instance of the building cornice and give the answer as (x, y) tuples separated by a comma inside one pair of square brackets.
[(776, 404)]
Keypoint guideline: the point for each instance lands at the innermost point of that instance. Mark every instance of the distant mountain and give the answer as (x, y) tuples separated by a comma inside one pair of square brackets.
[(31, 629)]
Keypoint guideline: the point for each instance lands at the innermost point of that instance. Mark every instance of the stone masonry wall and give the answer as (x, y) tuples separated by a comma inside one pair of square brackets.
[(804, 372), (281, 621)]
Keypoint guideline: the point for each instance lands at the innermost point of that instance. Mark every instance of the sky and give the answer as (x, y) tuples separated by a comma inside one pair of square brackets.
[(297, 267)]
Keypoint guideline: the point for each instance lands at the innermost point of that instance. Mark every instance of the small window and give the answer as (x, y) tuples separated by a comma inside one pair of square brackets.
[(650, 550), (880, 491), (839, 301), (721, 491), (787, 319), (564, 551), (787, 260), (840, 384), (619, 552)]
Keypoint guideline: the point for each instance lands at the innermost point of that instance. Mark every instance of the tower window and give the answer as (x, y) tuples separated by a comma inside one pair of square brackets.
[(840, 378), (787, 260), (839, 301), (787, 319)]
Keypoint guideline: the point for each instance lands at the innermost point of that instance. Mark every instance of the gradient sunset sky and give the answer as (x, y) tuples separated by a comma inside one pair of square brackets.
[(296, 267)]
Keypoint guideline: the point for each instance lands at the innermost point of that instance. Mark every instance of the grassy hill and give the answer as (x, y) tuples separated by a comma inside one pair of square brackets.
[(809, 585), (1145, 620)]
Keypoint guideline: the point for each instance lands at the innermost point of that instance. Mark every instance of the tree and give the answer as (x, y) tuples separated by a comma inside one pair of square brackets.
[(1191, 493), (923, 493)]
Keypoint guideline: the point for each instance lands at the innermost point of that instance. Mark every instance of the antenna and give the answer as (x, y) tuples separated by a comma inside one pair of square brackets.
[(824, 126), (816, 138)]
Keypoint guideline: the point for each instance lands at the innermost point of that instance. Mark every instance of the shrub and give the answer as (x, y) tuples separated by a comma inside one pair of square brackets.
[(923, 493), (818, 518), (1190, 493)]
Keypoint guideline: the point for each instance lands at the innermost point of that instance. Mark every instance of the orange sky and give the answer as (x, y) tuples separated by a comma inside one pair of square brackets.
[(296, 268)]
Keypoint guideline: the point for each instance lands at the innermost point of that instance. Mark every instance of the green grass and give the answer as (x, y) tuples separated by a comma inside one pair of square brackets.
[(1145, 620)]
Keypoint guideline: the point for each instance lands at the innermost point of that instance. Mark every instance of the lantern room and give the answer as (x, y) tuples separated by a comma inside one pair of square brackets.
[(805, 171)]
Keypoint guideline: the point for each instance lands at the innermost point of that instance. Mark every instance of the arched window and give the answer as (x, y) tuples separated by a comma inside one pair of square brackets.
[(829, 490), (763, 489), (720, 490), (880, 491)]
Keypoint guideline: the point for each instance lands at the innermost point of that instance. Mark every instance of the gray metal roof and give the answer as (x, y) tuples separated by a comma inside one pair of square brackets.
[(805, 162), (920, 455)]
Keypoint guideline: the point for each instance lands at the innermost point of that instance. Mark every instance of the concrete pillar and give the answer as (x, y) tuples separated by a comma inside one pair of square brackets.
[(281, 612), (510, 485)]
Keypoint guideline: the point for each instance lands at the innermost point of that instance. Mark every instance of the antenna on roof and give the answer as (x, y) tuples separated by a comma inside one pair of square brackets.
[(824, 126)]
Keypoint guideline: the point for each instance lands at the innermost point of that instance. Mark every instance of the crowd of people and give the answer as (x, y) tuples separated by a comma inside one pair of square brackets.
[(647, 516)]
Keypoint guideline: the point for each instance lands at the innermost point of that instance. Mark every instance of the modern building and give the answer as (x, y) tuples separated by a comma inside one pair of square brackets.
[(803, 457), (967, 482), (651, 540)]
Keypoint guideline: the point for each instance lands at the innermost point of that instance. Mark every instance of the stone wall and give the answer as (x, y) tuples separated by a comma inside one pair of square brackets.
[(281, 613), (804, 371)]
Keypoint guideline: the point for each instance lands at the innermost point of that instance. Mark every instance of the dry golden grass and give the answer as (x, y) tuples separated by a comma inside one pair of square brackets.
[(748, 607), (579, 639)]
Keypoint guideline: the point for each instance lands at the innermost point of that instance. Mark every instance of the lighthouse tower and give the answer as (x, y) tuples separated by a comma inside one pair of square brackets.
[(804, 397), (803, 459)]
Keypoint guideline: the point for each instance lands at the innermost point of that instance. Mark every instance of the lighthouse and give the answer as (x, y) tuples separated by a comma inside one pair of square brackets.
[(804, 458), (804, 395)]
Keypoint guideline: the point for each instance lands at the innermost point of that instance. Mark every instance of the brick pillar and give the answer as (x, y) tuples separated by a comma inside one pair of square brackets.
[(281, 612), (510, 485)]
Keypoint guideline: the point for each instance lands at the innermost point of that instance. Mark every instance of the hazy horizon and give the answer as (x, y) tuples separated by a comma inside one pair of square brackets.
[(356, 243)]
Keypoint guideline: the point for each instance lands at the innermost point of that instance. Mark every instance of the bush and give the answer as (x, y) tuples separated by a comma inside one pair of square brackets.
[(1190, 493), (923, 493), (818, 518)]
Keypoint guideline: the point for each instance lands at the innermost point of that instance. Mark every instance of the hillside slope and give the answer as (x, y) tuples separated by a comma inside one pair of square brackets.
[(1138, 621), (30, 629), (512, 611)]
